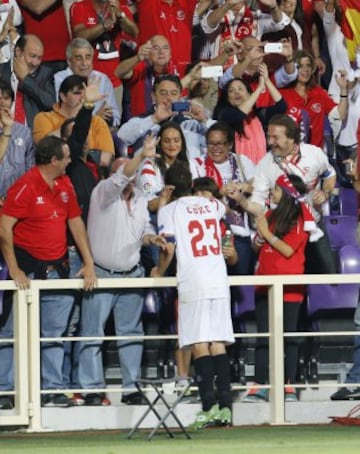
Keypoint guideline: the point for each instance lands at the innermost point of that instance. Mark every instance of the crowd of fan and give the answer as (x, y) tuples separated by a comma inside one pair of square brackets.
[(238, 91)]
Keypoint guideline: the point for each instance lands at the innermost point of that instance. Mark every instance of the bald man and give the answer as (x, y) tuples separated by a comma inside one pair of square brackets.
[(153, 59), (31, 82)]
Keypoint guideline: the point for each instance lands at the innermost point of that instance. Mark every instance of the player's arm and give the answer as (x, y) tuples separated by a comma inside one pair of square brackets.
[(165, 258)]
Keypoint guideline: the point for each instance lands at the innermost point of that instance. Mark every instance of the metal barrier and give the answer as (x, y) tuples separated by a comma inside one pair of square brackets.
[(27, 336)]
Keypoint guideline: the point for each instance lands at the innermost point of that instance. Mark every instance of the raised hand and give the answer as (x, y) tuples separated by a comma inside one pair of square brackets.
[(263, 71), (287, 50), (196, 112), (20, 67), (149, 147), (162, 112), (341, 79), (92, 90), (7, 119), (144, 51)]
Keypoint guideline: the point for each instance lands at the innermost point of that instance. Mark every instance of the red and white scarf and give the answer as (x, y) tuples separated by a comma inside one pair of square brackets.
[(309, 222)]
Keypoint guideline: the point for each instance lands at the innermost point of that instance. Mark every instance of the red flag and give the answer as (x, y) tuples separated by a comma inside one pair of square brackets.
[(350, 25)]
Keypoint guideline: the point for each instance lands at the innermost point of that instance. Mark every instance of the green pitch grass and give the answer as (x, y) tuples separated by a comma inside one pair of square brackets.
[(327, 439)]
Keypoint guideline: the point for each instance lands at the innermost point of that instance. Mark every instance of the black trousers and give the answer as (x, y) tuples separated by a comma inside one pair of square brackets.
[(291, 315)]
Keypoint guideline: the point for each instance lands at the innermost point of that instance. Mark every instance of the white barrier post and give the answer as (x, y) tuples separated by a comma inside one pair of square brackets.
[(276, 354)]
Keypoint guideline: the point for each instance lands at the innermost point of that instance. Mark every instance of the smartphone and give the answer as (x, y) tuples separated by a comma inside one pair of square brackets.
[(273, 48), (180, 106), (208, 72)]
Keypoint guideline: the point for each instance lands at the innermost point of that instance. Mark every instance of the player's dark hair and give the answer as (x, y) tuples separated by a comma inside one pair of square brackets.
[(179, 176), (206, 184)]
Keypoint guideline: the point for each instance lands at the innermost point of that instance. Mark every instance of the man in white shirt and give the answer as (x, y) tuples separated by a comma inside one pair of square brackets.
[(118, 226), (310, 163)]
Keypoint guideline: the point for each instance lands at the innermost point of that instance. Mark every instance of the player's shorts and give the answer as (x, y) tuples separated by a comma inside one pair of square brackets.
[(205, 321)]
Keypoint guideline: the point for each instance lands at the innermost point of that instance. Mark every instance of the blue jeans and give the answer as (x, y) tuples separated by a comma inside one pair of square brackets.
[(353, 375), (72, 349), (126, 305), (55, 309)]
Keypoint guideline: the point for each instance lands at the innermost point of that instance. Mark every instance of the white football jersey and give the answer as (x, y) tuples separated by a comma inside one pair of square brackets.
[(201, 269)]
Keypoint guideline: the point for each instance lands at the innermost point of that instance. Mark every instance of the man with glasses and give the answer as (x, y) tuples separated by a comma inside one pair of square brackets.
[(166, 91), (173, 19), (71, 99)]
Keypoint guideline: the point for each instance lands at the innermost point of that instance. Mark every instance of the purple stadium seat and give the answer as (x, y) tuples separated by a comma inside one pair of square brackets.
[(243, 301), (349, 257), (342, 230), (348, 202), (327, 297), (344, 203)]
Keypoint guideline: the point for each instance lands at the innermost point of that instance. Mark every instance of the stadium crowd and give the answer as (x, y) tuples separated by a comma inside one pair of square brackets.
[(107, 109)]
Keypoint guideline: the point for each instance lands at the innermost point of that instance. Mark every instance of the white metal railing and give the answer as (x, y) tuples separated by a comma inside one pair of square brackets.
[(27, 339)]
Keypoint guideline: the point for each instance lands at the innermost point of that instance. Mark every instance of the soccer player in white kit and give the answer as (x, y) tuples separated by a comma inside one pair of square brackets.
[(191, 226)]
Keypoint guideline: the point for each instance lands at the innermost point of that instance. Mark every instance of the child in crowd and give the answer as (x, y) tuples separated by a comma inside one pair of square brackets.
[(281, 238)]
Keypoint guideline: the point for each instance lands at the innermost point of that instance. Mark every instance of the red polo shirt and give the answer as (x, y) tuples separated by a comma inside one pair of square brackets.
[(157, 17), (318, 104), (42, 214), (107, 46)]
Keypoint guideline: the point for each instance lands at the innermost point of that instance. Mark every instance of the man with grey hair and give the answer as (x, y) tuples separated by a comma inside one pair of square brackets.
[(79, 56)]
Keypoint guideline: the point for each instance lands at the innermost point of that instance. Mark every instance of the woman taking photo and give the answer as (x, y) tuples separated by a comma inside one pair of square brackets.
[(237, 108)]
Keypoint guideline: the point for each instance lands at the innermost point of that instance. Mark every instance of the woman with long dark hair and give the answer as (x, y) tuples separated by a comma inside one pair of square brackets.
[(237, 108), (282, 235), (171, 147)]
